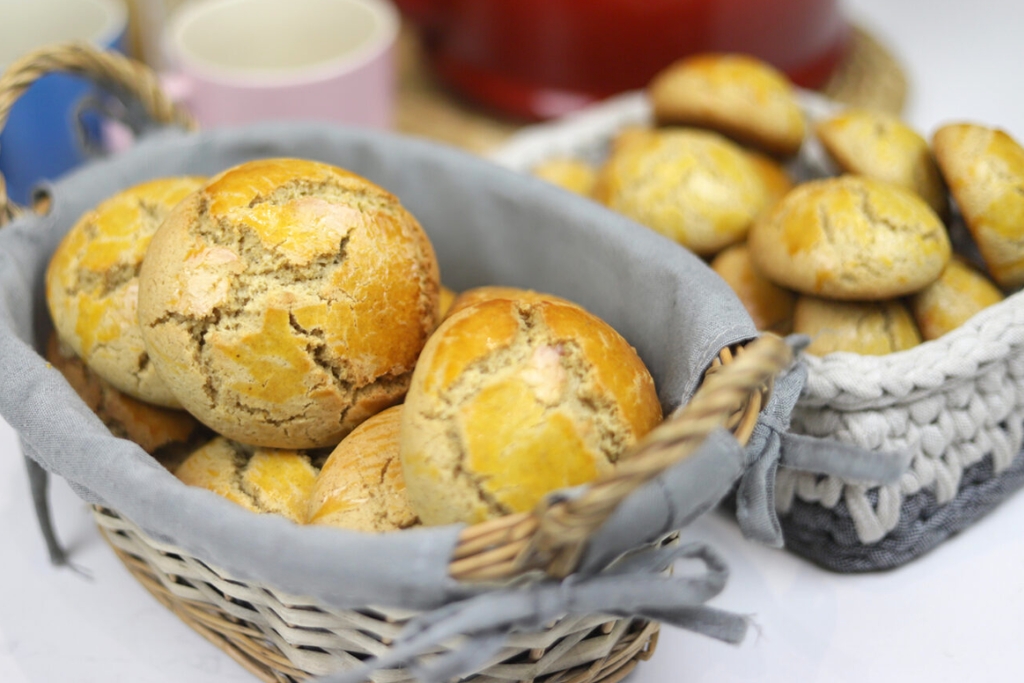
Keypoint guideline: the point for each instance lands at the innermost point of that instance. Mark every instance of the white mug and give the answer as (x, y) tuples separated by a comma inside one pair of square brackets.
[(242, 61)]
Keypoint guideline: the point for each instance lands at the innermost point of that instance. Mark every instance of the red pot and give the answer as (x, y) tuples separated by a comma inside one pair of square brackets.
[(542, 58)]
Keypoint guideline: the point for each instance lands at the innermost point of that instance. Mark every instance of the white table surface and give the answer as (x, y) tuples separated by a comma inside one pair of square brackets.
[(954, 615)]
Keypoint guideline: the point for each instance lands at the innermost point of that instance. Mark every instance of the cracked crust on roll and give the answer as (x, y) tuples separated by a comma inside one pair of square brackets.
[(850, 238), (881, 146), (953, 299), (693, 186), (287, 301), (870, 328), (260, 480), (984, 168), (513, 399), (477, 295), (92, 285), (361, 486)]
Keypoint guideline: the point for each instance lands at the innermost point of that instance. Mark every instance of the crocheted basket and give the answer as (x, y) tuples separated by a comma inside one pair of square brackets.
[(502, 608), (955, 404)]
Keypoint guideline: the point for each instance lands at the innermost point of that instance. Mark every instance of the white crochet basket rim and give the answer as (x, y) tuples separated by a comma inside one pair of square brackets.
[(851, 382), (952, 402)]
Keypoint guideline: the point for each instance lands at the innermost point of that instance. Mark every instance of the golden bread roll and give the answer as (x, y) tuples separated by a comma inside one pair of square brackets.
[(447, 298), (776, 181), (164, 433), (984, 169), (737, 95), (629, 134), (870, 328), (953, 299), (569, 174), (92, 285), (287, 300), (514, 399), (260, 480), (850, 238), (769, 306), (881, 146), (471, 297), (361, 485), (692, 186)]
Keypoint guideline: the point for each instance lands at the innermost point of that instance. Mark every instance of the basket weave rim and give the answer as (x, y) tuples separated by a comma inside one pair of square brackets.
[(248, 634)]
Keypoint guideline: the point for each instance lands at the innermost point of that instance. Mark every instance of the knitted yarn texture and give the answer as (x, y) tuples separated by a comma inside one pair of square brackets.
[(950, 403)]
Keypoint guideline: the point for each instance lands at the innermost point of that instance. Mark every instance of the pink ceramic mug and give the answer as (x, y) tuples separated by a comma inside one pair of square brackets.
[(242, 61)]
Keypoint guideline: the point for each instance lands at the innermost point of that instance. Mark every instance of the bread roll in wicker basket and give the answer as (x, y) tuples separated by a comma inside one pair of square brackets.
[(281, 637), (526, 583)]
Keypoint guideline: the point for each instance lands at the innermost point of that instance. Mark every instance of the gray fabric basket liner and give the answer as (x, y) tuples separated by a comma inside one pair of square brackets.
[(488, 226)]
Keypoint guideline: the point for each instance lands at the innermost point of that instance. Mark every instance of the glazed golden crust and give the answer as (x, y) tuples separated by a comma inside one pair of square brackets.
[(850, 238), (946, 304), (737, 95), (92, 285), (573, 175), (447, 298), (769, 306), (261, 480), (984, 169), (287, 301), (629, 134), (881, 146), (513, 399), (692, 186), (361, 486), (471, 297), (870, 328)]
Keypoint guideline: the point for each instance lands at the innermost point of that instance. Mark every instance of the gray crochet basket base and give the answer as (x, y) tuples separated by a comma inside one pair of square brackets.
[(828, 537)]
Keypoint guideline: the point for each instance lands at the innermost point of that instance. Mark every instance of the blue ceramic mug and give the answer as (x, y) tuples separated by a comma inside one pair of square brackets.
[(46, 134)]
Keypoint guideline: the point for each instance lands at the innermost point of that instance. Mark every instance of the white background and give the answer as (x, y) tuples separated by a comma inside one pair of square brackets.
[(956, 614)]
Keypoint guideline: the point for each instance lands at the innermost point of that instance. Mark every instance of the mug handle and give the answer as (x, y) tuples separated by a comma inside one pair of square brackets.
[(127, 79), (119, 134), (177, 85)]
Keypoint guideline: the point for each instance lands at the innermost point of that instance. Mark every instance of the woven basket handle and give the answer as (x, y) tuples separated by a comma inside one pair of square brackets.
[(127, 79), (553, 537)]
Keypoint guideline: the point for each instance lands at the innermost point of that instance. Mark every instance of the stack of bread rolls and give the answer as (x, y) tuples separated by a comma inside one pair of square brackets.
[(860, 259), (275, 334), (92, 290)]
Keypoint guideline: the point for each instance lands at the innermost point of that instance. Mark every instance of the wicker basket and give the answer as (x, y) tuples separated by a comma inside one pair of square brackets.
[(955, 404), (280, 637), (283, 637)]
